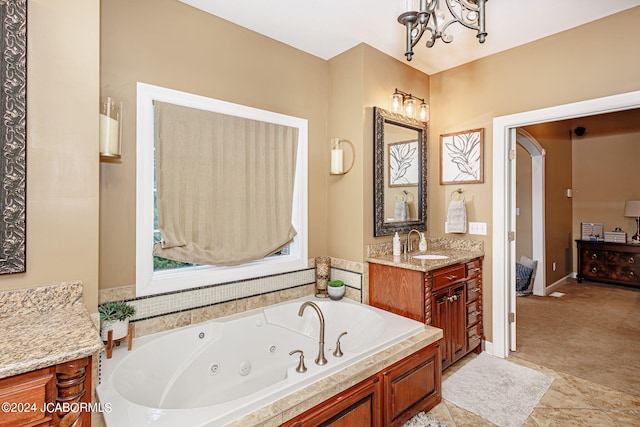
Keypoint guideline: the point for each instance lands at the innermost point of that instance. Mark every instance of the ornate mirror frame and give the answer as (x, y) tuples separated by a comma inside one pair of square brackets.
[(381, 227), (13, 109)]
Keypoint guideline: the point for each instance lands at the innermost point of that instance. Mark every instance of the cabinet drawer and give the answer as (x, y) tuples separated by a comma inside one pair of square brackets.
[(473, 312), (474, 337), (448, 276), (473, 290), (473, 268)]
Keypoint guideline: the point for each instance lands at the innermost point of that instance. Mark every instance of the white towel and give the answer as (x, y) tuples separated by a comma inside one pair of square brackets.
[(457, 217)]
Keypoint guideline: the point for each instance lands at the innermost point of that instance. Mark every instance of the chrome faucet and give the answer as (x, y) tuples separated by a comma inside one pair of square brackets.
[(320, 360), (409, 244)]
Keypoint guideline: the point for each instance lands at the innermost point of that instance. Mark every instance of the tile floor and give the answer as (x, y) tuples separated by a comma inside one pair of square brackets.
[(569, 402)]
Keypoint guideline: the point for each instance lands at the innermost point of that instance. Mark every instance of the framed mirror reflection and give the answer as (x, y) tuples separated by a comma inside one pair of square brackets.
[(400, 173)]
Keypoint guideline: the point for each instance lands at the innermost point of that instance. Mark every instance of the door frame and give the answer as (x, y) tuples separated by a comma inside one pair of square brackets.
[(503, 253)]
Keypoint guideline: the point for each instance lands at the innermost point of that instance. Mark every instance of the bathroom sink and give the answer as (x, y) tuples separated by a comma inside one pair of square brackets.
[(430, 256)]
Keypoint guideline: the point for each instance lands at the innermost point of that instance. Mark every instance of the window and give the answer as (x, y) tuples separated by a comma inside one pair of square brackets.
[(150, 280)]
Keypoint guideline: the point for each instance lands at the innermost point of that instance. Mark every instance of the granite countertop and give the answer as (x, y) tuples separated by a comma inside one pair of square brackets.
[(301, 400), (457, 251), (43, 327)]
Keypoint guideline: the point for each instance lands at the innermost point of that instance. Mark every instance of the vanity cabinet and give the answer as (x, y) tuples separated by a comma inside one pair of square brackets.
[(388, 398), (47, 396), (449, 298), (608, 262)]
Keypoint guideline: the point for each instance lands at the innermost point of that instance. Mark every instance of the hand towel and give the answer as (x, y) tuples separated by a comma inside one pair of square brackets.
[(457, 217)]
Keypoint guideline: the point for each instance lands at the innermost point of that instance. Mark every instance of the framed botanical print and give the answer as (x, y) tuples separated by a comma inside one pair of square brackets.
[(404, 164), (462, 157)]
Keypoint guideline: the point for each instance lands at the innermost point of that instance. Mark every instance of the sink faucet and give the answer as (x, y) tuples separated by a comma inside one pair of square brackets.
[(320, 360), (409, 244)]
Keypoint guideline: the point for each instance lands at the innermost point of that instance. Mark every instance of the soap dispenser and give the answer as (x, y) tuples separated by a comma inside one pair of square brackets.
[(396, 244), (422, 245)]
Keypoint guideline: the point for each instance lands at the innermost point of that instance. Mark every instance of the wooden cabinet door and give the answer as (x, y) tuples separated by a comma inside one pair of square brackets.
[(412, 385), (458, 322), (359, 406), (440, 319)]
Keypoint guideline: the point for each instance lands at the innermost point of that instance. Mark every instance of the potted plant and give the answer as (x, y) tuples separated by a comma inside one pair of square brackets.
[(115, 316), (335, 289)]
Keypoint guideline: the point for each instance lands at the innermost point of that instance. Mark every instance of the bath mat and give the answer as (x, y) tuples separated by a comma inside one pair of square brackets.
[(496, 389), (423, 420)]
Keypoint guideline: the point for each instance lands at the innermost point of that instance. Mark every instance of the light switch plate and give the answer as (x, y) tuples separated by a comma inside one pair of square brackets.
[(479, 228)]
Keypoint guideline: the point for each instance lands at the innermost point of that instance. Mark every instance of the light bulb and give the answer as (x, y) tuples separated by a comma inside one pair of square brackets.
[(424, 112), (395, 104), (410, 107)]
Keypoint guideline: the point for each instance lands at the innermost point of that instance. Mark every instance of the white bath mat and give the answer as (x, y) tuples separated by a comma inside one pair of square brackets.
[(423, 420), (496, 389)]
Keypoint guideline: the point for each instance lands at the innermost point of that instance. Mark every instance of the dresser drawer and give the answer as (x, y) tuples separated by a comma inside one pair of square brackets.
[(448, 276), (473, 312)]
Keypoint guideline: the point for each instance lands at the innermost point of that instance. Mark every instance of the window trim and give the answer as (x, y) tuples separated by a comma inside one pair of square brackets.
[(149, 282)]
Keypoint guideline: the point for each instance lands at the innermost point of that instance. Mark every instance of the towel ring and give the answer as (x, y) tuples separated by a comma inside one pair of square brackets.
[(457, 191)]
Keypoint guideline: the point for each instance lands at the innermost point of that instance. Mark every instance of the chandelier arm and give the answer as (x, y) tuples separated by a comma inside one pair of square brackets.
[(460, 17)]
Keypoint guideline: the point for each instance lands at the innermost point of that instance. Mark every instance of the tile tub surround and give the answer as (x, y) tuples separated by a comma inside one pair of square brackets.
[(166, 311), (44, 326), (457, 251)]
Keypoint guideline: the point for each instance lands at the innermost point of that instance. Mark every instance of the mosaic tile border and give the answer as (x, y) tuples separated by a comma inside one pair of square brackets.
[(155, 313)]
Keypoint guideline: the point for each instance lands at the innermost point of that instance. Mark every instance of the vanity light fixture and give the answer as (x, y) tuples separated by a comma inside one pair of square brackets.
[(427, 15), (110, 129), (406, 103), (632, 210), (337, 156)]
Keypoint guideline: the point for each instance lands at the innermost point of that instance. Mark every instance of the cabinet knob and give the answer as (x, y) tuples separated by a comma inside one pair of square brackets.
[(594, 256), (631, 260), (632, 274), (594, 270)]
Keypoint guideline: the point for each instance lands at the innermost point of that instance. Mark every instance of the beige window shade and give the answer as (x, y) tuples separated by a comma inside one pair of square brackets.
[(224, 186)]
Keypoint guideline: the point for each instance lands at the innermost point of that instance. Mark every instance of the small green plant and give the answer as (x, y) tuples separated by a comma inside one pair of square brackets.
[(116, 310), (336, 283)]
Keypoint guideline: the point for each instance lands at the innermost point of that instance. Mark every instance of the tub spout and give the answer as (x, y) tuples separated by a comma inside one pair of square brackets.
[(320, 360)]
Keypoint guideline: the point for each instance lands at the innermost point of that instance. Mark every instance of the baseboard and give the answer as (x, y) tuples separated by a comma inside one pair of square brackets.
[(554, 285), (488, 347)]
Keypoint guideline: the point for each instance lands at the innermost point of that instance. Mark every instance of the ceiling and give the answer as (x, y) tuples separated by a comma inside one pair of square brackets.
[(329, 27)]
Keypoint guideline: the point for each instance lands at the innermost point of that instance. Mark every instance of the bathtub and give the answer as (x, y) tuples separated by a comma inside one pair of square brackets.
[(212, 373)]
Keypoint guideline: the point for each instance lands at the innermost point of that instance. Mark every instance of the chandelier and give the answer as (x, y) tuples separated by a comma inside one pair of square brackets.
[(431, 18)]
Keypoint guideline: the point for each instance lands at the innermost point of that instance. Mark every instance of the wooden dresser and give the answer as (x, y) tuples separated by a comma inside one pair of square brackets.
[(607, 262), (449, 298)]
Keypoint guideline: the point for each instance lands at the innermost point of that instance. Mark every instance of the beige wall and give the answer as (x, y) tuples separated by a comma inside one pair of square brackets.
[(571, 66), (170, 44), (555, 139), (62, 146), (524, 234), (605, 176), (361, 78)]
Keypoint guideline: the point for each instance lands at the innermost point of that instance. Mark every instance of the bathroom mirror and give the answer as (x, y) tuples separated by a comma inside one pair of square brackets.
[(400, 173), (13, 108)]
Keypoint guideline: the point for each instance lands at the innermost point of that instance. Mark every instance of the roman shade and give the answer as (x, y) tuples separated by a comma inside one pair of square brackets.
[(224, 186)]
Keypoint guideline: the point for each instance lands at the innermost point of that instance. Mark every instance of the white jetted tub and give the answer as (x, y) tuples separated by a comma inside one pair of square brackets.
[(214, 372)]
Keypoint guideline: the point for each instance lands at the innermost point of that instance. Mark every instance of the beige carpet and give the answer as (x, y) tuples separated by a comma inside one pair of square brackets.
[(592, 332)]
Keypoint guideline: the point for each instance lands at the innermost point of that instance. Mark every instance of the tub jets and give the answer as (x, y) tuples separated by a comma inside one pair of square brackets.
[(320, 360)]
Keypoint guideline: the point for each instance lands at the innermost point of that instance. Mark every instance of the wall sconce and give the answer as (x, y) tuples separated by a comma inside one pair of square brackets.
[(110, 128), (632, 210), (337, 156), (406, 103)]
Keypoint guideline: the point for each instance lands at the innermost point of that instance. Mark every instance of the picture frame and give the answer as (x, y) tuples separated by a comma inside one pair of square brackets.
[(404, 164), (462, 157)]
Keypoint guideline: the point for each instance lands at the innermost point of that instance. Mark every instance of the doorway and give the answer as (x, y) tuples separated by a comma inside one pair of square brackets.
[(504, 142)]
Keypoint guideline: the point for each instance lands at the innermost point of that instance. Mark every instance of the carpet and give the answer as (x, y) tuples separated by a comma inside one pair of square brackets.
[(497, 390), (423, 420)]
